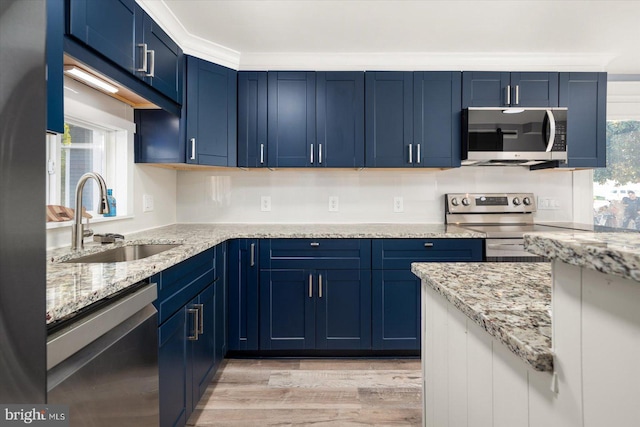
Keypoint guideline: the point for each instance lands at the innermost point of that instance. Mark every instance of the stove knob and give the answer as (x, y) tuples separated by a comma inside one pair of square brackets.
[(454, 202), (466, 201), (526, 201), (516, 201)]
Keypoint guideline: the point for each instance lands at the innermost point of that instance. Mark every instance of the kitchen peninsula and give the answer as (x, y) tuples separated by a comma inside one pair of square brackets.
[(535, 344)]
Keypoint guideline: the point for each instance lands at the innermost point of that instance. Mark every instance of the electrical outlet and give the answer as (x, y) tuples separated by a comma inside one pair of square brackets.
[(548, 203), (398, 204), (334, 204), (147, 203), (265, 203)]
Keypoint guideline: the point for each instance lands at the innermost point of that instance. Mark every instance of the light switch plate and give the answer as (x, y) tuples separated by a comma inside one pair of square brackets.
[(147, 203)]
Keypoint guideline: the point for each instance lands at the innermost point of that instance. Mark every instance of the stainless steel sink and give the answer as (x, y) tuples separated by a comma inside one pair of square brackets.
[(124, 253)]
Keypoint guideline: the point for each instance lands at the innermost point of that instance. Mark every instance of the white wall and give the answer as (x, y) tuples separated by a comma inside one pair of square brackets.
[(143, 179), (302, 195)]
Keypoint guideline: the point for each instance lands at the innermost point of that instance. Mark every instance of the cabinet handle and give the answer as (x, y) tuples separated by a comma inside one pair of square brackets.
[(315, 244), (310, 286), (320, 286), (410, 153), (508, 95), (517, 94), (253, 255), (311, 153), (428, 245), (418, 154), (200, 308), (261, 154), (194, 337), (193, 148), (144, 57), (152, 66), (319, 153)]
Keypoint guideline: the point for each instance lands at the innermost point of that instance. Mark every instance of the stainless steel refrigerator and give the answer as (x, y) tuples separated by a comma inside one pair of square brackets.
[(22, 202)]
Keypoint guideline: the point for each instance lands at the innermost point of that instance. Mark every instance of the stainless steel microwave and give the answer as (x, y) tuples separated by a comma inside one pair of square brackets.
[(514, 136)]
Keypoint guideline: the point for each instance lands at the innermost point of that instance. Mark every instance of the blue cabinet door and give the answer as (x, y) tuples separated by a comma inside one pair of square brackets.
[(54, 52), (585, 96), (287, 310), (534, 89), (202, 346), (389, 116), (291, 119), (437, 116), (343, 309), (243, 294), (252, 119), (340, 119), (163, 65), (396, 310), (484, 89), (108, 26), (157, 138), (221, 300), (210, 114), (172, 341)]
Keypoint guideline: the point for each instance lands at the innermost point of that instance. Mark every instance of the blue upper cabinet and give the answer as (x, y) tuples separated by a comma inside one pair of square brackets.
[(504, 89), (436, 119), (159, 60), (157, 138), (108, 26), (252, 119), (340, 120), (585, 96), (389, 119), (55, 37), (291, 119), (211, 111)]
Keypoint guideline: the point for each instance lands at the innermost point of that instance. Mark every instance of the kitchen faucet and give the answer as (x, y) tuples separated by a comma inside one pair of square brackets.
[(78, 232)]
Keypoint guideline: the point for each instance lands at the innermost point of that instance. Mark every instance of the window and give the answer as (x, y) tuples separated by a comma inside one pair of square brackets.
[(616, 188)]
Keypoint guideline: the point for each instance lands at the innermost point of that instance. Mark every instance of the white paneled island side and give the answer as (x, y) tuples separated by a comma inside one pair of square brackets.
[(535, 344)]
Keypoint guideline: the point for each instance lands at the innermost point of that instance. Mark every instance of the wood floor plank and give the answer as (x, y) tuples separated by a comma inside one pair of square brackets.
[(318, 392)]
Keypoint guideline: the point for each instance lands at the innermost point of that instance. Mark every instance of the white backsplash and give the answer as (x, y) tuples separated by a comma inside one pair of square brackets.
[(302, 195)]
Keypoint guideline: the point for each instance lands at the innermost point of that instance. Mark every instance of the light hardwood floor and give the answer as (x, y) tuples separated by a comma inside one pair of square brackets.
[(318, 392)]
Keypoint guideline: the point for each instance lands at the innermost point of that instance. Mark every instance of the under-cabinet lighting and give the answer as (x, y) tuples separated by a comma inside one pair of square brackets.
[(513, 111), (89, 78)]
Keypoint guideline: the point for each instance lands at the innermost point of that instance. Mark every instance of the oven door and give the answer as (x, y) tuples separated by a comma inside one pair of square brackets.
[(509, 250)]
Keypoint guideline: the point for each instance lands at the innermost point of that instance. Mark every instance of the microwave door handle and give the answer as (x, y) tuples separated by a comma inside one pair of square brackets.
[(552, 131)]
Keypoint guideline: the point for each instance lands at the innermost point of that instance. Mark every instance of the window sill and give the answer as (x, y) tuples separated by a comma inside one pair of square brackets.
[(94, 220)]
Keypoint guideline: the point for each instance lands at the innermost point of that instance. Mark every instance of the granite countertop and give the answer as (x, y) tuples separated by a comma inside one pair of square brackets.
[(71, 287), (511, 301), (610, 253)]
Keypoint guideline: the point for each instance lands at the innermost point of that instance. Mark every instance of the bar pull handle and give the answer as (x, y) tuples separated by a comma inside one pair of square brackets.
[(320, 154), (253, 255), (311, 154), (517, 94), (200, 308), (143, 46), (310, 285), (315, 244), (410, 153), (152, 61), (508, 94), (320, 286), (193, 148), (194, 337), (552, 130), (418, 154), (428, 245), (261, 154)]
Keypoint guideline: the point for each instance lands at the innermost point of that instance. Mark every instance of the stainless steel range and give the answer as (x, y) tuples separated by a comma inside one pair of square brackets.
[(504, 217)]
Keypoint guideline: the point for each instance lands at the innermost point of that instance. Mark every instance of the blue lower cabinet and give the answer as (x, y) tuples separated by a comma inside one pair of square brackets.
[(201, 313), (396, 310), (221, 300), (243, 275), (172, 368), (315, 310)]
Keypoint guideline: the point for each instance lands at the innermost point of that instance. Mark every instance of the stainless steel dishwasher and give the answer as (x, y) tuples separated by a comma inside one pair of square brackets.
[(105, 365)]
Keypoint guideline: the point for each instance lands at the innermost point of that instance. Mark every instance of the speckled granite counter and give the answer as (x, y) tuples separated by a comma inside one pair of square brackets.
[(71, 287), (611, 253), (511, 301)]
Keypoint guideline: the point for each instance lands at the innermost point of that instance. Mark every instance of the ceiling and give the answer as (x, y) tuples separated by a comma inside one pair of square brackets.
[(428, 34)]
